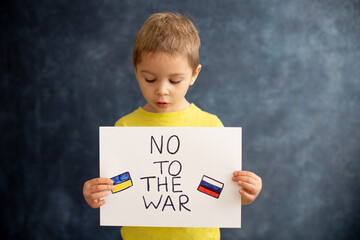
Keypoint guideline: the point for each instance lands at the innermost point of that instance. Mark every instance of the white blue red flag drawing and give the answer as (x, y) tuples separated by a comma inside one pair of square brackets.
[(210, 186)]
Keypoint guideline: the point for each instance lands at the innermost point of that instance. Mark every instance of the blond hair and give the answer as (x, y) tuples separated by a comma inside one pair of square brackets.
[(170, 33)]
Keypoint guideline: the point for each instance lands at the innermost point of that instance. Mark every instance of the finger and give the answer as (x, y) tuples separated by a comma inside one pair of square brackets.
[(246, 173), (98, 203), (101, 188), (100, 181), (98, 195), (252, 175), (247, 196), (245, 179), (248, 187)]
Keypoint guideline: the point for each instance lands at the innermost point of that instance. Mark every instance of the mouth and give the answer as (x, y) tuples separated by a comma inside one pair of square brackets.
[(162, 104)]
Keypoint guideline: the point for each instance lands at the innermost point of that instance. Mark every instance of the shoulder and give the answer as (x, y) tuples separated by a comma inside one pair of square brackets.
[(128, 119), (208, 119), (213, 120)]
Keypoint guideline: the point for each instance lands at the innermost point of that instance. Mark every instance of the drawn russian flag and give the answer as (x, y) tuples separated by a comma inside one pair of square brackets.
[(121, 182), (210, 186)]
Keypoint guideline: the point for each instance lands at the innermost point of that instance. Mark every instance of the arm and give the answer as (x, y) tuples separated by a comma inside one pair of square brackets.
[(250, 184), (95, 189)]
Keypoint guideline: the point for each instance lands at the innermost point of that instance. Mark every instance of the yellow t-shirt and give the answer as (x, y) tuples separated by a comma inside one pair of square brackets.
[(189, 117)]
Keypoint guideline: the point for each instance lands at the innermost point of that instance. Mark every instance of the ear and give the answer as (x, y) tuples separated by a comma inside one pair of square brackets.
[(135, 71), (195, 74)]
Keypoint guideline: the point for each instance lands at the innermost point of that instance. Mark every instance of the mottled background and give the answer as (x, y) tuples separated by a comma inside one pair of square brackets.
[(288, 72)]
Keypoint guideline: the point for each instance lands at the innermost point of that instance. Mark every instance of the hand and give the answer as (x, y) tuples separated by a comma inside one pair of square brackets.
[(95, 189), (250, 184)]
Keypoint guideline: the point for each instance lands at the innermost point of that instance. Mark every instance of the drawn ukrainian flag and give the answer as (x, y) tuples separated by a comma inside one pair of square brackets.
[(210, 186), (122, 182)]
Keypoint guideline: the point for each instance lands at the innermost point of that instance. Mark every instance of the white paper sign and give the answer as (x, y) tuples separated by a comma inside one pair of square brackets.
[(171, 176)]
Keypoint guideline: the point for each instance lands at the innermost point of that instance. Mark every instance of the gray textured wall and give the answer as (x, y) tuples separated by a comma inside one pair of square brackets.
[(288, 72)]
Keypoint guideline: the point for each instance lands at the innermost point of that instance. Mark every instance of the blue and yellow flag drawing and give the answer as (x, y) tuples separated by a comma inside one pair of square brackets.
[(122, 182)]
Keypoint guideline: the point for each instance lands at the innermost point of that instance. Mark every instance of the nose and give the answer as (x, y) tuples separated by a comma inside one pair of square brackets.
[(162, 89)]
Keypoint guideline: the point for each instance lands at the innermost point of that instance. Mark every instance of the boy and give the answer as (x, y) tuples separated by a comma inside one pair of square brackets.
[(166, 63)]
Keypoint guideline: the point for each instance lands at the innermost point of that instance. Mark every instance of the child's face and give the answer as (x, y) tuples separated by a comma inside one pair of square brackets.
[(164, 81)]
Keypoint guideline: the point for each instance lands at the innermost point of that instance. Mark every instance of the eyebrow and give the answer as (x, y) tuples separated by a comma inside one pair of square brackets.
[(172, 75)]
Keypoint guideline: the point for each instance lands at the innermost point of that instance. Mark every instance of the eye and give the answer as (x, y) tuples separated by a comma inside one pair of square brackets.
[(175, 81), (150, 80)]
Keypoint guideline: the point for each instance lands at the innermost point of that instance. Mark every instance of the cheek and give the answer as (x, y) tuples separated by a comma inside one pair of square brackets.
[(182, 92), (144, 90)]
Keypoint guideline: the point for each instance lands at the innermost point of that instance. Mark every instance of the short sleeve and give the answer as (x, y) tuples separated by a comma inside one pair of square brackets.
[(119, 123), (217, 122)]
